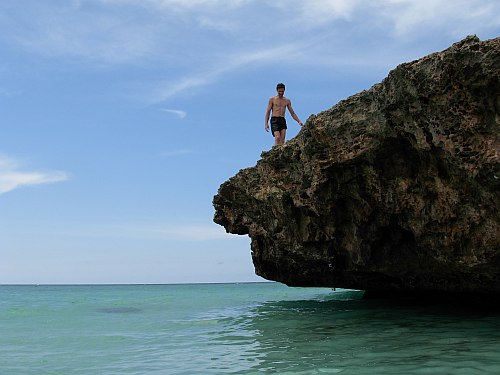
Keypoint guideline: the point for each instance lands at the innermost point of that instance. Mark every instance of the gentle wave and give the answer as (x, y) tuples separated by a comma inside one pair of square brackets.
[(261, 328)]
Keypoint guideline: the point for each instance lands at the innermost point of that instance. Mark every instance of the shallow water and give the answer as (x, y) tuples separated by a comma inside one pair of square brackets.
[(260, 328)]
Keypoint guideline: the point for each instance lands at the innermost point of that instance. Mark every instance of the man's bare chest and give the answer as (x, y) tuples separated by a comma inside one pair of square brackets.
[(279, 103)]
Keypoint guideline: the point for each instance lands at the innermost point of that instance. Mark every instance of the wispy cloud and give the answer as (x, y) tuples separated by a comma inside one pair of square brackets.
[(177, 112), (182, 4), (166, 90), (187, 232), (416, 18), (318, 12), (106, 31), (176, 153), (197, 43), (229, 64), (73, 30), (165, 231), (12, 177), (10, 93)]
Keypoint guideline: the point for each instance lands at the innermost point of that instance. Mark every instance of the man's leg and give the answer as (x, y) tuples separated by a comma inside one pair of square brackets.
[(277, 137), (282, 136)]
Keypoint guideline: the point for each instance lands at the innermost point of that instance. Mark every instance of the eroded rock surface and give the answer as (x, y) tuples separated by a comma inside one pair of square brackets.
[(393, 189)]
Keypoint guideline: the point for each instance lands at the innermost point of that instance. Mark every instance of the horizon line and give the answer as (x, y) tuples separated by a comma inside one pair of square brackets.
[(138, 284)]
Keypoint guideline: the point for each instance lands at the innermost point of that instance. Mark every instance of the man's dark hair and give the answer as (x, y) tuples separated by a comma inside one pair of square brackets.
[(280, 86)]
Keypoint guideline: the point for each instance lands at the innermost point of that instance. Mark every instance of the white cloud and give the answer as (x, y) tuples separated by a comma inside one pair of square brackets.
[(131, 31), (198, 42), (177, 112), (318, 12), (11, 177), (459, 17)]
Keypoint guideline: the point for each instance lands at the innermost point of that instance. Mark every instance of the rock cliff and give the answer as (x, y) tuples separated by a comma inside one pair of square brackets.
[(393, 189)]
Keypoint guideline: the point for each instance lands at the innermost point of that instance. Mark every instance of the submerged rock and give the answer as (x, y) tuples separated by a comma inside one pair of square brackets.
[(393, 189)]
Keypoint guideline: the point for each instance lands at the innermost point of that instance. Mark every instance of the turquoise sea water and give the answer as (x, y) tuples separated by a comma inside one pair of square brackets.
[(259, 328)]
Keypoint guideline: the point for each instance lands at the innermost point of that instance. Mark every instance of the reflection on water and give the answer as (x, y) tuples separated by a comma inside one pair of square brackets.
[(360, 337)]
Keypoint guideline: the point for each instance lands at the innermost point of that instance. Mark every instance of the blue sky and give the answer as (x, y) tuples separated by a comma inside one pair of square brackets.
[(121, 118)]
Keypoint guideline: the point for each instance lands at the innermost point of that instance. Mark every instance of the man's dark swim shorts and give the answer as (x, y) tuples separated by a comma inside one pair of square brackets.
[(277, 124)]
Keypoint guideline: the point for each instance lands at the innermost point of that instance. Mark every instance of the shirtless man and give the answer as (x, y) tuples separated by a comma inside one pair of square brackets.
[(278, 105)]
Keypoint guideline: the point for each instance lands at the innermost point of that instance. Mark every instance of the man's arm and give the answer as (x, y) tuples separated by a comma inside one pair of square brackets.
[(294, 116), (268, 113)]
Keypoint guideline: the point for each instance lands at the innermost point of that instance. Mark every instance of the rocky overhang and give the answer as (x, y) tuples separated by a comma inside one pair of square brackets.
[(395, 189)]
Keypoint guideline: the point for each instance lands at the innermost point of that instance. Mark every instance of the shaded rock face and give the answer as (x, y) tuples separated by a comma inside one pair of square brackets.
[(393, 189)]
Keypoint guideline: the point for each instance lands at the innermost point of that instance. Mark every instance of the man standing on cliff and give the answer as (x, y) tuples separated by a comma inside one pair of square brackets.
[(278, 105)]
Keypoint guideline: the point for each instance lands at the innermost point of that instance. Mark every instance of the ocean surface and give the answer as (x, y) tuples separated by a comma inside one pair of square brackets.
[(254, 328)]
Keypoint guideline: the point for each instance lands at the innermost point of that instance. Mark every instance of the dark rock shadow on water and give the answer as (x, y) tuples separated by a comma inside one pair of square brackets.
[(438, 301), (352, 335), (120, 310)]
